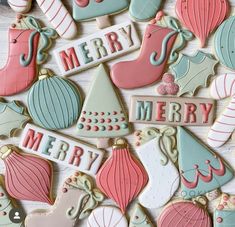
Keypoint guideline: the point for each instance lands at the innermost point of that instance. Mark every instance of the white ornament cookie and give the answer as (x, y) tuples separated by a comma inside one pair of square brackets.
[(156, 150), (107, 216)]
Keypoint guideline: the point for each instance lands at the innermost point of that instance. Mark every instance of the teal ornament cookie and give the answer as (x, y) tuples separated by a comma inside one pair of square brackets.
[(102, 114), (224, 44), (201, 170), (139, 218), (6, 205), (54, 102), (144, 10)]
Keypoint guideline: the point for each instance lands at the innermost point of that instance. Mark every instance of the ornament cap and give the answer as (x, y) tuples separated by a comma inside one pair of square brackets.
[(45, 73), (5, 151), (120, 143)]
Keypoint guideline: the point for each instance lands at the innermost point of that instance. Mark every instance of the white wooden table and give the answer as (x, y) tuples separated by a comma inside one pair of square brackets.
[(7, 17)]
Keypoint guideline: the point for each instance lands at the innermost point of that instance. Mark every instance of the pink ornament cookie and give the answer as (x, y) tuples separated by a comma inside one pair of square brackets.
[(74, 202), (184, 213), (27, 177), (212, 14)]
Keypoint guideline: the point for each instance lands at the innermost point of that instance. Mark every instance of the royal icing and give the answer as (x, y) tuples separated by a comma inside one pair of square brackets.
[(20, 6), (139, 218), (107, 216), (201, 169), (192, 72), (171, 111), (153, 57), (224, 218), (121, 177), (24, 55), (156, 150), (223, 87), (144, 10), (6, 206), (13, 116), (97, 48), (99, 9), (74, 202), (54, 102), (184, 213), (202, 17), (100, 119), (27, 177), (57, 148), (168, 85)]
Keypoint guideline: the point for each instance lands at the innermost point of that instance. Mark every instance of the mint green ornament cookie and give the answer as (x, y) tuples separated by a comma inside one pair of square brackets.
[(201, 169), (144, 10), (54, 102)]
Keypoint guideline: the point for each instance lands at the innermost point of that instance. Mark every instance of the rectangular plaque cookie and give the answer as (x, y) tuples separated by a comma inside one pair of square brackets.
[(172, 110)]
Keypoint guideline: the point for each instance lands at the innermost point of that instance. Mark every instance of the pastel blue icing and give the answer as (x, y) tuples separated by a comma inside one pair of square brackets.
[(227, 217)]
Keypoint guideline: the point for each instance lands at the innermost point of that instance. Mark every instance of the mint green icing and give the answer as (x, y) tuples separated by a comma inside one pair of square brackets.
[(12, 105), (54, 103), (83, 48), (191, 153), (144, 10), (95, 9), (224, 43), (102, 104), (227, 218)]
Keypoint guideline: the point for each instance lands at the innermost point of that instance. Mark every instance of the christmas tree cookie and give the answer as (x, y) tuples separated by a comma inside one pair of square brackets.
[(201, 170), (102, 114), (6, 205), (139, 218)]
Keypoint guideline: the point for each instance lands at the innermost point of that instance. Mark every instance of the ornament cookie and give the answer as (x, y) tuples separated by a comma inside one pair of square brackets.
[(160, 47), (184, 213), (107, 216), (84, 10), (27, 177), (157, 151), (223, 87), (60, 149), (212, 14), (77, 198), (54, 102), (27, 46), (201, 169), (139, 218), (144, 10), (192, 72), (121, 177), (55, 12), (13, 116), (99, 47), (6, 205), (171, 110), (101, 119)]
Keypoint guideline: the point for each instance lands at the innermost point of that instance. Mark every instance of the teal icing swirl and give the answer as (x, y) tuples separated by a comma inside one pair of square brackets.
[(184, 35), (45, 34), (86, 202)]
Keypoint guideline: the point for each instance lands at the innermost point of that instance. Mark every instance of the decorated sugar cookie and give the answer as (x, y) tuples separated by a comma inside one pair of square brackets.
[(54, 102), (139, 218), (27, 46), (77, 198), (223, 87), (121, 177), (13, 116), (201, 169), (144, 10), (107, 216), (157, 151), (6, 205), (192, 72), (102, 115), (27, 177), (212, 14), (58, 148), (160, 47), (84, 10), (55, 11), (184, 213)]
